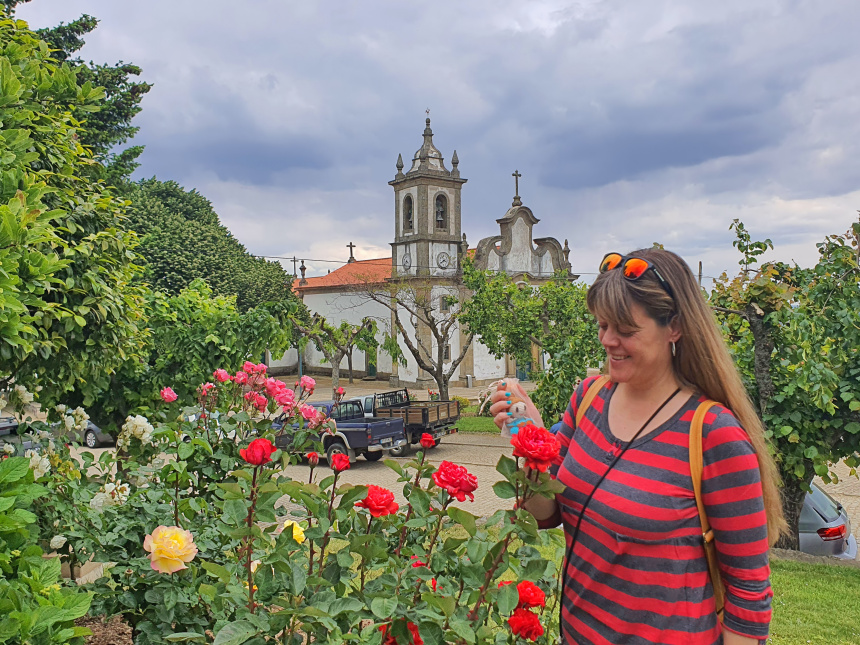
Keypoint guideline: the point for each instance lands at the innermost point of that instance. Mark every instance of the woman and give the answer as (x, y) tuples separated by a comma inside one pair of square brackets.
[(636, 570)]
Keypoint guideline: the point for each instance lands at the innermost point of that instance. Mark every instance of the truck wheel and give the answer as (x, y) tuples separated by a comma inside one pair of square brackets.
[(373, 456), (400, 451), (335, 448), (90, 439)]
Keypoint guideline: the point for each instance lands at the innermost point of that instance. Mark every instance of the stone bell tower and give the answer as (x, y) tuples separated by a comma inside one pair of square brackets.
[(427, 232)]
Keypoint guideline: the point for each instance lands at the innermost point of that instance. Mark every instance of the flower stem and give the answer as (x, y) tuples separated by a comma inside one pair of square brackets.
[(249, 541), (176, 501), (438, 526), (415, 484), (328, 531), (473, 615), (364, 557)]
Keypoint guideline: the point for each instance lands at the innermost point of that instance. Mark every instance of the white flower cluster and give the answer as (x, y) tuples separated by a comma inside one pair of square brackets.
[(112, 494), (136, 426), (22, 395), (39, 464), (8, 448), (3, 402), (75, 419)]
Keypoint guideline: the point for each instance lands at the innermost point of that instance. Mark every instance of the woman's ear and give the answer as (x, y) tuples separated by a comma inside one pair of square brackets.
[(674, 330)]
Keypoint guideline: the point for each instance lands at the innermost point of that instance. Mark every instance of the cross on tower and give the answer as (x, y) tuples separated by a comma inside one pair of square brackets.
[(516, 175), (350, 246)]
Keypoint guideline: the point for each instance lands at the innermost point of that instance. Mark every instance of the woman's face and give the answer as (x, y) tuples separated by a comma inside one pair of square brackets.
[(638, 356)]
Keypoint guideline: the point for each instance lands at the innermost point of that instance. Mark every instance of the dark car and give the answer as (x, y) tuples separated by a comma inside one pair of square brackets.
[(825, 528), (92, 437)]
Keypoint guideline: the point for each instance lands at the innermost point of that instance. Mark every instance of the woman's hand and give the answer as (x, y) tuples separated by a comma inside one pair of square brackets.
[(501, 399)]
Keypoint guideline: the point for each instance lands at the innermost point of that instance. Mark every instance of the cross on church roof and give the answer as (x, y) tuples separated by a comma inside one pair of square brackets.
[(516, 175), (350, 246)]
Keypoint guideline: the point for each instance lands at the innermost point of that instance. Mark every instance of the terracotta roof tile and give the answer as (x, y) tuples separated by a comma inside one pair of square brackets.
[(353, 273)]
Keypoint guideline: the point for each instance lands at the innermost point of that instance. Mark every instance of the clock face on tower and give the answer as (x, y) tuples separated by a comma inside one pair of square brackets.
[(407, 262), (443, 260)]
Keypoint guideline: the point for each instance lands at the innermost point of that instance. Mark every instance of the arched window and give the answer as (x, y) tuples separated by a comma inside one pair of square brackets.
[(407, 214), (441, 212)]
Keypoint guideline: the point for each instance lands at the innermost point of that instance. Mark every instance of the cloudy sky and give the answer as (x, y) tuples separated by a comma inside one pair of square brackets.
[(631, 122)]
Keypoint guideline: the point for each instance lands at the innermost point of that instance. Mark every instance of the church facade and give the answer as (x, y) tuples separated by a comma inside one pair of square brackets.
[(425, 270)]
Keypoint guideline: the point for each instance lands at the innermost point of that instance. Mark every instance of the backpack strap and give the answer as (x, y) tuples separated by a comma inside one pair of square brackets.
[(590, 393), (696, 458)]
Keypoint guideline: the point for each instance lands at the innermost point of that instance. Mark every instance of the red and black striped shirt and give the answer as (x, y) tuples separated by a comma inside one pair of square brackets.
[(638, 573)]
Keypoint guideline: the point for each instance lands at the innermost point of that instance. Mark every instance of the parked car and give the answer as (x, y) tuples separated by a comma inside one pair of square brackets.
[(355, 435), (825, 528), (436, 418)]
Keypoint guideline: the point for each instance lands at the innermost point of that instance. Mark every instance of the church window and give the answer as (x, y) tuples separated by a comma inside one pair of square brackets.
[(446, 353), (407, 214), (441, 212)]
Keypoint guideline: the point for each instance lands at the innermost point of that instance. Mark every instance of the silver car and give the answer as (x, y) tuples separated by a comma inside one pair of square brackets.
[(825, 528)]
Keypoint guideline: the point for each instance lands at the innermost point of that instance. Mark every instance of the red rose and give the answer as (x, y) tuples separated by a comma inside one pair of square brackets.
[(530, 595), (379, 501), (258, 452), (313, 459), (427, 441), (417, 563), (458, 481), (339, 462), (525, 624), (505, 583), (538, 446), (388, 639), (433, 584)]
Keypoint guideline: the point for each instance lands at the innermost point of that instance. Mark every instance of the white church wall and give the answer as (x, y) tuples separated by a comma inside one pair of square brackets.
[(487, 366), (520, 256), (443, 247)]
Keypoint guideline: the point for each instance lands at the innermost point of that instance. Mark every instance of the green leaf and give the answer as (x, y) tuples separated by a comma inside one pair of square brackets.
[(464, 630), (341, 605), (463, 518), (177, 637), (420, 501), (853, 427), (300, 577), (13, 469), (235, 633), (383, 607), (507, 598), (504, 490), (236, 510), (6, 503), (507, 467), (217, 571)]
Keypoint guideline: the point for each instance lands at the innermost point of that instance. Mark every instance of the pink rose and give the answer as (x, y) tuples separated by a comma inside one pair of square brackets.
[(168, 395), (221, 375), (341, 391), (249, 367), (308, 412), (307, 383), (206, 388), (241, 377)]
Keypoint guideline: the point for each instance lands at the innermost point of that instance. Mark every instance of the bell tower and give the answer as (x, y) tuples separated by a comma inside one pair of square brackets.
[(427, 231)]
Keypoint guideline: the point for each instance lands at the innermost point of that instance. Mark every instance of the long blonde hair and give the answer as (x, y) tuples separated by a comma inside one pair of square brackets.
[(701, 361)]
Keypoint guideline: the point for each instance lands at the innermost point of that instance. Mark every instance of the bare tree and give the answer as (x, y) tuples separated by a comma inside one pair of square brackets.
[(429, 336)]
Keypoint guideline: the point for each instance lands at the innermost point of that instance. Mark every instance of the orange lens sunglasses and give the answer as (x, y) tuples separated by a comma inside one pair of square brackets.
[(633, 269)]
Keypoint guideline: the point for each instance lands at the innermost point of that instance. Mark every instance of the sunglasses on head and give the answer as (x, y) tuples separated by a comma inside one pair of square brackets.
[(633, 269)]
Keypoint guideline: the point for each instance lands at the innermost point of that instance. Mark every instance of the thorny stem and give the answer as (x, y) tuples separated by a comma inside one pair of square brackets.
[(176, 501), (473, 615), (439, 524), (249, 541), (326, 536), (364, 557), (409, 510)]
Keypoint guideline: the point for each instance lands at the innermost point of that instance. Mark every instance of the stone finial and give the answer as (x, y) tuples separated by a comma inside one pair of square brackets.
[(399, 166), (517, 201), (455, 160), (566, 251), (351, 259), (303, 268)]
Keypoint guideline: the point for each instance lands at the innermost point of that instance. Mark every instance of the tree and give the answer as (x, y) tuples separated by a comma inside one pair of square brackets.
[(426, 330), (515, 318), (188, 334), (108, 126), (335, 343), (182, 239), (795, 334), (72, 313)]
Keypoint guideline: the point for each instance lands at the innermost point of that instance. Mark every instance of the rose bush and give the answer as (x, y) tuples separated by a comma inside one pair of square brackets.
[(204, 537)]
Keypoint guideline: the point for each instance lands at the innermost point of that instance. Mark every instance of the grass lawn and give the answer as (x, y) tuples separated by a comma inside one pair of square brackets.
[(480, 425), (815, 603)]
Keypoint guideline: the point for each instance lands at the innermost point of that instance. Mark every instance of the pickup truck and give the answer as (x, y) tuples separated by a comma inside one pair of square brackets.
[(436, 418), (355, 434)]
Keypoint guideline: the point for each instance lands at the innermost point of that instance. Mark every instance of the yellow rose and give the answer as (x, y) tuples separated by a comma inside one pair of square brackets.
[(298, 531), (170, 548)]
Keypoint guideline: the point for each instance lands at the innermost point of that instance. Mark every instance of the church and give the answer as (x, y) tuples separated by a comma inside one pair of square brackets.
[(414, 291)]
